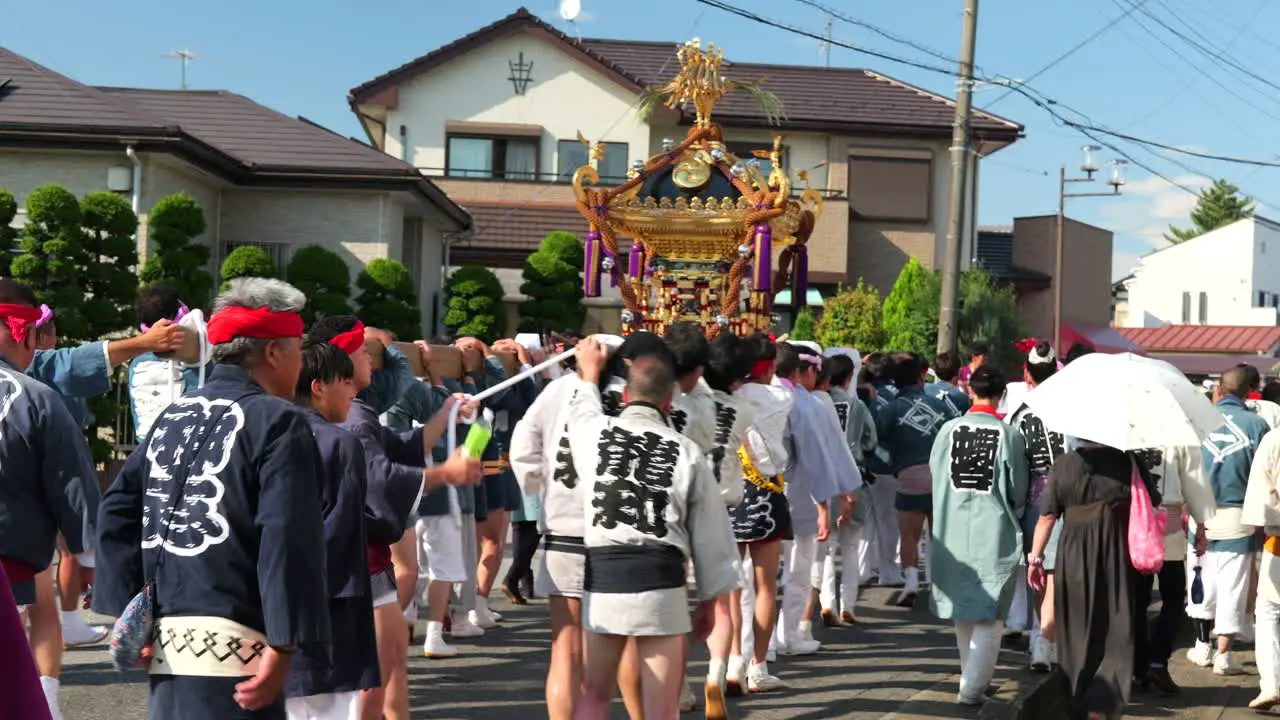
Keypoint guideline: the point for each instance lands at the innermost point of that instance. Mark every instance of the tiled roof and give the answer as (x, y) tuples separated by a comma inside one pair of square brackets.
[(254, 134), (821, 96), (31, 94), (227, 133), (812, 97), (1205, 338), (520, 227)]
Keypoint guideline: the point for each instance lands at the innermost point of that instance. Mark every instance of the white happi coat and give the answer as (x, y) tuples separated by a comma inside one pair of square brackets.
[(540, 459), (717, 423), (646, 485), (1262, 509), (766, 434)]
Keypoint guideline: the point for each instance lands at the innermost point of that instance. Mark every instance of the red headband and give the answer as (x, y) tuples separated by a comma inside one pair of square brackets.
[(19, 319), (258, 323), (351, 340), (761, 368)]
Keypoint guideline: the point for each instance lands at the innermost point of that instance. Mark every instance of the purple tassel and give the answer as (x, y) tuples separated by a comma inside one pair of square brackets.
[(635, 261), (800, 284), (591, 266), (761, 280)]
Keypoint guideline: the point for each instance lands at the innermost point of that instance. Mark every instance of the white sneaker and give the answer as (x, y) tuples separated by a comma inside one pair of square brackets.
[(760, 681), (1201, 654), (1039, 654), (436, 647), (733, 682), (800, 647), (464, 628), (687, 701), (484, 622), (1226, 664), (76, 632)]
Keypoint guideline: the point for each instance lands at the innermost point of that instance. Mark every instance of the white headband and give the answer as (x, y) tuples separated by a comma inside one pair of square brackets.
[(1036, 358)]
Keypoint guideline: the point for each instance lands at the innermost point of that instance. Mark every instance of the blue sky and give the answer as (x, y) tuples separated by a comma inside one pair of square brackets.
[(302, 57)]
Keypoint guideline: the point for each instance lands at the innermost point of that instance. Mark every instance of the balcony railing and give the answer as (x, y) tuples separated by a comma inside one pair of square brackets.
[(557, 178)]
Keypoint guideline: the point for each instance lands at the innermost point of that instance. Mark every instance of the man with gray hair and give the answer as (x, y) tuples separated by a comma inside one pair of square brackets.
[(219, 512)]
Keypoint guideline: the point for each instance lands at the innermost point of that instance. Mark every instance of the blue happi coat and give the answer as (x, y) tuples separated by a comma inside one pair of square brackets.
[(47, 484), (956, 400), (818, 457), (395, 463), (242, 539), (76, 374), (349, 661), (1228, 456), (908, 425)]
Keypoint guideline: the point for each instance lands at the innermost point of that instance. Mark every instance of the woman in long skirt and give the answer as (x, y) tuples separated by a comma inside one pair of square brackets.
[(1089, 490)]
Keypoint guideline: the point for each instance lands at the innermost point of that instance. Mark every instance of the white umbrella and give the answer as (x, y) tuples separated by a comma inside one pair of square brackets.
[(1125, 401)]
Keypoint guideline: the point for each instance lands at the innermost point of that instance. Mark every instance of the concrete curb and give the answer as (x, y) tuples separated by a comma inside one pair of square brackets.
[(1029, 697), (1026, 696)]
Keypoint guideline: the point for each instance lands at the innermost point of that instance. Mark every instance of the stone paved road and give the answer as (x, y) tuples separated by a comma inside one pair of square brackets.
[(870, 671)]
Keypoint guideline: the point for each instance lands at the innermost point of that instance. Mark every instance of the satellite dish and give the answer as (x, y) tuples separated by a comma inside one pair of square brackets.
[(569, 9)]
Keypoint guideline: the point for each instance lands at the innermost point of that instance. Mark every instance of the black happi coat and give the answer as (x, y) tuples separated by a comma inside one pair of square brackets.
[(349, 662), (246, 543)]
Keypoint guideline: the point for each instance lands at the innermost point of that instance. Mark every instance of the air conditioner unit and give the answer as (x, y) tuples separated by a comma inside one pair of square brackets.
[(120, 178)]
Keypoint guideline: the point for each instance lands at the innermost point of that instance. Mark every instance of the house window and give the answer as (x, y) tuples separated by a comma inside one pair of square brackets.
[(507, 158), (279, 252), (892, 189), (1186, 308), (1262, 299), (572, 154), (745, 151), (1204, 308)]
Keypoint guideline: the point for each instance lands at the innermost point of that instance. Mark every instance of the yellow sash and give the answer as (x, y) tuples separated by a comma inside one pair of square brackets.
[(1272, 545), (757, 478)]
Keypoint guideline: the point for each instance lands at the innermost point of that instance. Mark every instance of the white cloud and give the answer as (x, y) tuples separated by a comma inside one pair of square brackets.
[(1148, 206), (1122, 263)]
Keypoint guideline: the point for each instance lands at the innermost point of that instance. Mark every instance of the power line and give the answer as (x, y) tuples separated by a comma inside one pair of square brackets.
[(881, 31), (1074, 49)]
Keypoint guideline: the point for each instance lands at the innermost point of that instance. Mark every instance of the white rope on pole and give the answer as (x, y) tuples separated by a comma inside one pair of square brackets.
[(452, 441)]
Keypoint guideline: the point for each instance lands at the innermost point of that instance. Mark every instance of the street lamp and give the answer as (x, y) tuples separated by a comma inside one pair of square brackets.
[(1089, 166)]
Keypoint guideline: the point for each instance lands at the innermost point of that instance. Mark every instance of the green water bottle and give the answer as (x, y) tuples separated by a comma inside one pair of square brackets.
[(478, 436)]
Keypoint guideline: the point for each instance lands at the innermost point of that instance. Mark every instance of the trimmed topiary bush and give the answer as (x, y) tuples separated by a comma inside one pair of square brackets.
[(247, 261), (173, 223), (475, 304), (387, 299), (323, 276)]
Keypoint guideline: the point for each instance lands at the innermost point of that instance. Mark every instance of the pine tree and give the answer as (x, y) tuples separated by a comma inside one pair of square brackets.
[(553, 284), (323, 276), (911, 310), (1220, 204), (8, 211), (247, 261), (852, 319), (174, 222), (475, 304), (387, 299), (989, 314), (53, 258)]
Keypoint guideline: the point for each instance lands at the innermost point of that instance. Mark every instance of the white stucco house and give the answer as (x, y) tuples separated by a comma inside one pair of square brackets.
[(495, 117), (1229, 276), (262, 178)]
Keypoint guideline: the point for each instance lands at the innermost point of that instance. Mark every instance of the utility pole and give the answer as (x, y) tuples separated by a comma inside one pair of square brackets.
[(947, 316), (1089, 167)]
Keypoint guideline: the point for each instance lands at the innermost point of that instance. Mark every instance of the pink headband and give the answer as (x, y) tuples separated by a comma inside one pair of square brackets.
[(46, 314), (812, 359), (183, 311)]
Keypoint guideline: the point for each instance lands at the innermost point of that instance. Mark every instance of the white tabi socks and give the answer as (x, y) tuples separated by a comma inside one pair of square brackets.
[(50, 687)]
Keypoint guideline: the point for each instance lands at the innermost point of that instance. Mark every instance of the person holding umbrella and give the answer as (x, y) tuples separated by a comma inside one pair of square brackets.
[(1113, 404)]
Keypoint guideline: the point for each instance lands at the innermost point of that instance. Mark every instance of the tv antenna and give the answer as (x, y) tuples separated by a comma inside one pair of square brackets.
[(569, 12), (186, 56), (824, 48)]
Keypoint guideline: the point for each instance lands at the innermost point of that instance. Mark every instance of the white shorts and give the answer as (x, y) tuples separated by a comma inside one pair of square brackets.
[(561, 573), (1224, 576), (440, 548), (329, 706)]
